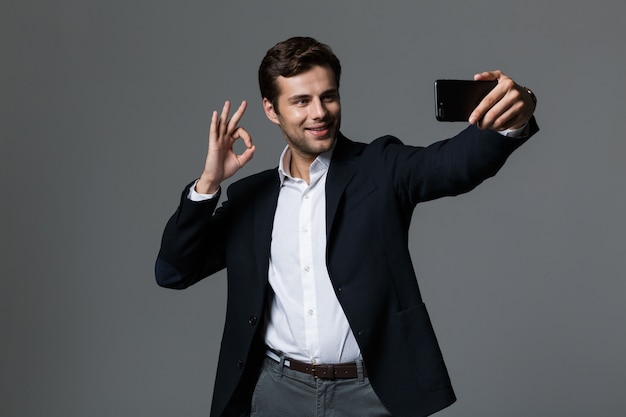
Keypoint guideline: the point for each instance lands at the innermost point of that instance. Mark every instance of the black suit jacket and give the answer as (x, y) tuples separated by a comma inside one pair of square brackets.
[(371, 191)]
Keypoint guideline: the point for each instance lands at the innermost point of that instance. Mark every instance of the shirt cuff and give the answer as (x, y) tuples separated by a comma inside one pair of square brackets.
[(514, 133), (195, 196)]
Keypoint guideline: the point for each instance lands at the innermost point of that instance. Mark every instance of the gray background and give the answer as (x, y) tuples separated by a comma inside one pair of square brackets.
[(105, 111)]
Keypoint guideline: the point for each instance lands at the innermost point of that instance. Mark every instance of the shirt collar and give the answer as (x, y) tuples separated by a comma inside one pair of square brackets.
[(321, 163)]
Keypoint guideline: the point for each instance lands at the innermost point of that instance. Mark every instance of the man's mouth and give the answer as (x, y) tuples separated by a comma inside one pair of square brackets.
[(318, 131)]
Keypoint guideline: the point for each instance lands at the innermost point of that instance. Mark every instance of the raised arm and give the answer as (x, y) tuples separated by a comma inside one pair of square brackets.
[(193, 241)]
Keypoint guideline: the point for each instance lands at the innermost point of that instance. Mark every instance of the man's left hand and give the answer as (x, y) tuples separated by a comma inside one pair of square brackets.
[(507, 106)]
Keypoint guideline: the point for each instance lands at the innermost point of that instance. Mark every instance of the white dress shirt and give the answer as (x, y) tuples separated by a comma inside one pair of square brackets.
[(305, 319)]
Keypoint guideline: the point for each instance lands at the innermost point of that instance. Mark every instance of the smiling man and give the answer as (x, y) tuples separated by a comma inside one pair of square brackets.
[(324, 313)]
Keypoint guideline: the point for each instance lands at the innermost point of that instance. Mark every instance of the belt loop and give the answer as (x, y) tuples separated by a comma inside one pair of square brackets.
[(281, 365), (359, 371)]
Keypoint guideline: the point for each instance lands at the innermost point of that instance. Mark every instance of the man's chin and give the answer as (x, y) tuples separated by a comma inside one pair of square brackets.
[(326, 143)]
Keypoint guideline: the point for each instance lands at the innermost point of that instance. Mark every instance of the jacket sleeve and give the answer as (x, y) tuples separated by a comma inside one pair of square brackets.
[(192, 246), (449, 167)]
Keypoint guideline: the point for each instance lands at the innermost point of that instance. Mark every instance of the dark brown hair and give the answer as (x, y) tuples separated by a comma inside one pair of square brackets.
[(292, 57)]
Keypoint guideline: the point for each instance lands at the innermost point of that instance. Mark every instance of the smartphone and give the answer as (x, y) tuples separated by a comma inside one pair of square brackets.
[(456, 99)]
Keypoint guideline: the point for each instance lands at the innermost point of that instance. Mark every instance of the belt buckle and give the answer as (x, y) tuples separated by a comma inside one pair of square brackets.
[(324, 371)]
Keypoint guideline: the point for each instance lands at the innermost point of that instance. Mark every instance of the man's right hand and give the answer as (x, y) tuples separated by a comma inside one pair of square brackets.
[(222, 161)]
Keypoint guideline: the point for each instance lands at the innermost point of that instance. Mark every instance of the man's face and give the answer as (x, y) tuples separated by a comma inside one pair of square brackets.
[(308, 111)]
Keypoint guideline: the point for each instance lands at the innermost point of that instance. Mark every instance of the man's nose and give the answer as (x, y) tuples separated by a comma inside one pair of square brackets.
[(318, 109)]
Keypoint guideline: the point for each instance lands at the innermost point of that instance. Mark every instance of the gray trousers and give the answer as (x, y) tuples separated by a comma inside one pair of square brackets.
[(283, 392)]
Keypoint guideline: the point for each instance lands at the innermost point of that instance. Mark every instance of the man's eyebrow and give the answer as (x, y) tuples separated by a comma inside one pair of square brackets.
[(298, 97), (331, 91)]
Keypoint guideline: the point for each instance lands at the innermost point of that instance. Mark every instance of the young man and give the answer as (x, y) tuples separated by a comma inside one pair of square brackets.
[(324, 313)]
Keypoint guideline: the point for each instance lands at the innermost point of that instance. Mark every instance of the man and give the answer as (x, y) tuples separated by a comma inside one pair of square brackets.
[(324, 314)]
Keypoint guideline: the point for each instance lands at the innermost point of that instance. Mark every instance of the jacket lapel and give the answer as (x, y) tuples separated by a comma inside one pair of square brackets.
[(264, 210), (342, 169)]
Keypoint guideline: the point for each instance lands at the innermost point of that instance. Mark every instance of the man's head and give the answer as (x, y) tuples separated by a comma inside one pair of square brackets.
[(292, 57), (299, 80)]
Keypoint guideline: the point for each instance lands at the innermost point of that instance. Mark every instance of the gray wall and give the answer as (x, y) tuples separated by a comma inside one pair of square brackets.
[(105, 111)]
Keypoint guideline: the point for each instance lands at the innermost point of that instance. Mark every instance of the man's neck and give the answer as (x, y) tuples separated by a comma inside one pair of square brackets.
[(300, 167)]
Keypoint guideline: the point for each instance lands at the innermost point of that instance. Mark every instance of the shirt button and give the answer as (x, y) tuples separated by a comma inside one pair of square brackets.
[(310, 312), (304, 230), (307, 268)]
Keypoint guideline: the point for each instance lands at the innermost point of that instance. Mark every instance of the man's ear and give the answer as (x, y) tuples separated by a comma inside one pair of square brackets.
[(270, 112)]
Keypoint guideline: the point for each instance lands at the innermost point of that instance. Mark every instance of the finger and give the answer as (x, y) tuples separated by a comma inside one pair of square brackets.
[(488, 75), (501, 121), (213, 127), (485, 105), (246, 156), (243, 134), (496, 97), (496, 113), (232, 124), (223, 122), (513, 118)]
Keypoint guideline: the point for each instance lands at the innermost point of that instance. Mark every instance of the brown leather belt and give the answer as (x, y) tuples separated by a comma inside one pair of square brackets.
[(335, 371)]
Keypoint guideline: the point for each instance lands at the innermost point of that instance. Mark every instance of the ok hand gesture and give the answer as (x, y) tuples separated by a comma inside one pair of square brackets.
[(222, 161)]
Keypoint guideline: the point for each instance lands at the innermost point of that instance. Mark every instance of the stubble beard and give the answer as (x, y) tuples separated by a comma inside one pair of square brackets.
[(312, 148)]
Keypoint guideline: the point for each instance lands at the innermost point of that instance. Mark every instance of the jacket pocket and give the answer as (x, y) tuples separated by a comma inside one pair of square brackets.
[(424, 354)]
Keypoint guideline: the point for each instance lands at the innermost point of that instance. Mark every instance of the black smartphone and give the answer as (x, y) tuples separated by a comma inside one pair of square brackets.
[(456, 99)]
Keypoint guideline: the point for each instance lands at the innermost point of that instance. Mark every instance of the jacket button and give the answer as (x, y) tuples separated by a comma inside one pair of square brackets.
[(240, 364), (252, 320)]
